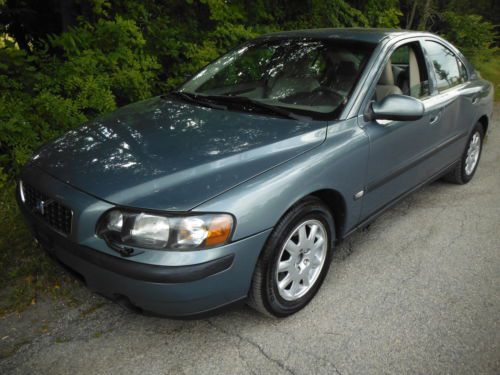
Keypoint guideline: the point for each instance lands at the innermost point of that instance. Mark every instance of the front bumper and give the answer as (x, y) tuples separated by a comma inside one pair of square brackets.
[(197, 283)]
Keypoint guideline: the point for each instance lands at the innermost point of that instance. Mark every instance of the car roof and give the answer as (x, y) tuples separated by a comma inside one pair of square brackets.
[(367, 35)]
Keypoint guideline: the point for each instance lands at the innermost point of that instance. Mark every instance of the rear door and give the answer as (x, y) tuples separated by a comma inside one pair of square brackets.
[(452, 98)]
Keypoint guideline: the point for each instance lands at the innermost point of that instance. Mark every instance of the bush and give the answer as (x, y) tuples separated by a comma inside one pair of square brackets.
[(471, 34), (72, 77), (383, 13), (98, 67)]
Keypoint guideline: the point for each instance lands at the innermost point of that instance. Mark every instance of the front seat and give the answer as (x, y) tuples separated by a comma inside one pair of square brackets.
[(409, 80), (414, 85), (385, 85)]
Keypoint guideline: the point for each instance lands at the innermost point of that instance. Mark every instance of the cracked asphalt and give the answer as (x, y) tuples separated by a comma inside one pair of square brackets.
[(418, 292)]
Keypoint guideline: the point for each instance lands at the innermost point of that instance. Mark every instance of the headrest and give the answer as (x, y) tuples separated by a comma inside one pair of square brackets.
[(387, 77), (414, 74)]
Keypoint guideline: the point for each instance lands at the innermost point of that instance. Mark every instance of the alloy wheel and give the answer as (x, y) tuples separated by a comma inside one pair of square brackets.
[(301, 259), (473, 153)]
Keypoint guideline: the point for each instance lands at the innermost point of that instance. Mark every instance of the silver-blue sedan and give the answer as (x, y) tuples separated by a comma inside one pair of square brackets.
[(237, 185)]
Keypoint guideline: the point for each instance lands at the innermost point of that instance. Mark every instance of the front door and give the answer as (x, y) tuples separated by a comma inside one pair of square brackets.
[(399, 149)]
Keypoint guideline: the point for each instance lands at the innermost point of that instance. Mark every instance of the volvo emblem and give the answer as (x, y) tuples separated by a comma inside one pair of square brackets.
[(41, 205)]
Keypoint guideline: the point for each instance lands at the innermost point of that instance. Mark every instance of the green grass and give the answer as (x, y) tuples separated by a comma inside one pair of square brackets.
[(490, 70), (26, 270)]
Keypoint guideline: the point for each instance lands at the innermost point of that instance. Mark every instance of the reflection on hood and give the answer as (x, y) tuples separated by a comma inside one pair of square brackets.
[(166, 154)]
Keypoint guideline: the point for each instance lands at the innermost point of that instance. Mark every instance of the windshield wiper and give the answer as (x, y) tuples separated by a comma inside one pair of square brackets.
[(212, 101), (243, 100), (197, 99)]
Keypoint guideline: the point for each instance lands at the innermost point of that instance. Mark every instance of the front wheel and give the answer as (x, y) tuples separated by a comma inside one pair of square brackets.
[(466, 168), (295, 260)]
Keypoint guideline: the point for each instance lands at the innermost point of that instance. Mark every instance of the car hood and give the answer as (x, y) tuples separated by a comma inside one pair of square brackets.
[(170, 155)]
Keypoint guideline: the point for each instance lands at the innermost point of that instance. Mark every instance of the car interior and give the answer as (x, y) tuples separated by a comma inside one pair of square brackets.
[(314, 77), (404, 74)]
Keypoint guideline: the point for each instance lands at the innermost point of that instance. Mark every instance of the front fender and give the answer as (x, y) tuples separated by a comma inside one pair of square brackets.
[(339, 163)]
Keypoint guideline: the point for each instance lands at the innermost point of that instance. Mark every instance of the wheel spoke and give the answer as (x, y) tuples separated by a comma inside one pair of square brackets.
[(318, 244), (312, 234), (307, 278), (285, 265), (292, 247), (476, 140), (315, 261), (302, 236), (295, 287), (285, 282)]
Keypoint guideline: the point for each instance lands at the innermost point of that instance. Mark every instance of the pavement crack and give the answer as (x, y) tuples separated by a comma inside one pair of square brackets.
[(325, 360), (253, 343), (312, 354)]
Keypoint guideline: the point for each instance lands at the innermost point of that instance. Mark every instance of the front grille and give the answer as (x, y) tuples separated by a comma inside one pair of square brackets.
[(52, 212)]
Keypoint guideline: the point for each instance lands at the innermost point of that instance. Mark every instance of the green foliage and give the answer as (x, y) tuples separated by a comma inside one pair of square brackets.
[(490, 70), (225, 30), (471, 34), (99, 67), (383, 13), (63, 82), (334, 13)]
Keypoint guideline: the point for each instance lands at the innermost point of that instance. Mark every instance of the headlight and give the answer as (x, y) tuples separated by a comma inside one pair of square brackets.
[(153, 231)]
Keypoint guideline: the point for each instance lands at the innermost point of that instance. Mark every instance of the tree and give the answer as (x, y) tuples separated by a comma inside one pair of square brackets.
[(383, 13), (471, 34)]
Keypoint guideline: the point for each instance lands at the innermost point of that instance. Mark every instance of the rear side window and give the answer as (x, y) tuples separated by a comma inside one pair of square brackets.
[(448, 68)]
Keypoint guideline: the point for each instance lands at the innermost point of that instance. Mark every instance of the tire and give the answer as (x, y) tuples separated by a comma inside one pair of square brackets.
[(266, 296), (462, 173)]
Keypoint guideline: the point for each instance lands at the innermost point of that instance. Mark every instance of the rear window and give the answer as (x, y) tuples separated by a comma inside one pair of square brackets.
[(449, 69)]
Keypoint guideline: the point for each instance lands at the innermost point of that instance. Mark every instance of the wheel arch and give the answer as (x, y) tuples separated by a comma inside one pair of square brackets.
[(337, 206), (484, 121)]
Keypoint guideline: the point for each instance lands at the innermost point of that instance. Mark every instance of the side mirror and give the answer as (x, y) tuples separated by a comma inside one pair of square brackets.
[(395, 107)]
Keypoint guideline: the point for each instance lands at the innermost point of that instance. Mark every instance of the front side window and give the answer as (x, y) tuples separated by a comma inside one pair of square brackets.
[(305, 76), (404, 73), (449, 70)]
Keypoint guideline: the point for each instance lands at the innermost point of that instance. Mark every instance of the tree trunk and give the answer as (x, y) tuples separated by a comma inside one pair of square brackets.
[(425, 15), (67, 13), (409, 23)]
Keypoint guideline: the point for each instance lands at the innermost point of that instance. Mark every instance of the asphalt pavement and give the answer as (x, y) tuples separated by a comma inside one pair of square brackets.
[(417, 292)]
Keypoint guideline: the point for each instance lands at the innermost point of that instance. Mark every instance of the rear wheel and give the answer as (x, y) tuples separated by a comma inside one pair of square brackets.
[(295, 260), (466, 168)]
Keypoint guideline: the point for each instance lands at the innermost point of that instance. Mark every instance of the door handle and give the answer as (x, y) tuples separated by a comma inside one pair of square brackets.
[(435, 118)]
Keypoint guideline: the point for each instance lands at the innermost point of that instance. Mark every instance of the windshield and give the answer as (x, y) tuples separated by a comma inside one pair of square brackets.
[(308, 77)]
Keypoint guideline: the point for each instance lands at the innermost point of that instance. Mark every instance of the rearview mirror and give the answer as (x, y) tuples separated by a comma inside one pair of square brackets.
[(395, 107)]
